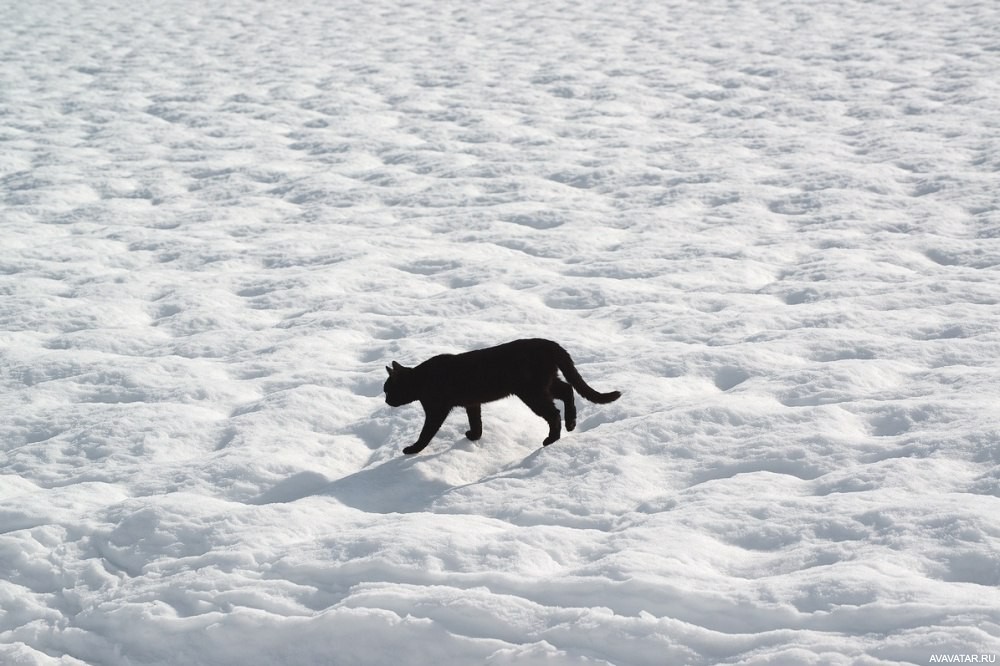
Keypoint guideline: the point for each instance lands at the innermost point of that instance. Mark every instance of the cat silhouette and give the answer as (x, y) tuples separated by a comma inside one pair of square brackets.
[(527, 369)]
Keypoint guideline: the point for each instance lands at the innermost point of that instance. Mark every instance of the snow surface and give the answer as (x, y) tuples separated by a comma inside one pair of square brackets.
[(774, 225)]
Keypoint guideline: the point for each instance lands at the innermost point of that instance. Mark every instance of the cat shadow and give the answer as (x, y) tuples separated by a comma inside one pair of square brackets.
[(398, 485), (295, 487)]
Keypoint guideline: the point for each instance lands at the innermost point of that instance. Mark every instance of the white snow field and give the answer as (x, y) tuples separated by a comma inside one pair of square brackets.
[(775, 226)]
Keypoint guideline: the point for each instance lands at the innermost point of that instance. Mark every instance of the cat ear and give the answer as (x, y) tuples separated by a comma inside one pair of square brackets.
[(396, 367), (389, 370)]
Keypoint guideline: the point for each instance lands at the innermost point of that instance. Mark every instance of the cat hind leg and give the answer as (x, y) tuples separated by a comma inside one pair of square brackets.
[(563, 391), (542, 405)]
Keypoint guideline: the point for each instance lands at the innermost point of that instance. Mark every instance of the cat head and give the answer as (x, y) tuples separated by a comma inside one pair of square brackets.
[(399, 389)]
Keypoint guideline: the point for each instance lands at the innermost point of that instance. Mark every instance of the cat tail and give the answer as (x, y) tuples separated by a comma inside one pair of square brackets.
[(565, 364)]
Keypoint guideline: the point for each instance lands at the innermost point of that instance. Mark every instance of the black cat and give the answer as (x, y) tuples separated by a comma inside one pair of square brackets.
[(525, 368)]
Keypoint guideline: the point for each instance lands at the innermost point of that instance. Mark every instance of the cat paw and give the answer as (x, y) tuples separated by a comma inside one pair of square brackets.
[(413, 448), (473, 436), (549, 440), (570, 424)]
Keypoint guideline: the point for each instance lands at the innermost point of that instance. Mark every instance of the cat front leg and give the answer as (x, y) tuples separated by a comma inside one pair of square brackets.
[(475, 413), (433, 419)]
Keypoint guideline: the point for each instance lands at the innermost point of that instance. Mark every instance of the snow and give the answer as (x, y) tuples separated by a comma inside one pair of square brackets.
[(774, 226)]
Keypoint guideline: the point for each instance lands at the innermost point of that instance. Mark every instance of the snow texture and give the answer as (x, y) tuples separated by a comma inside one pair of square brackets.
[(775, 226)]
